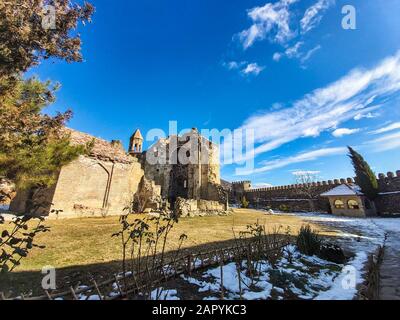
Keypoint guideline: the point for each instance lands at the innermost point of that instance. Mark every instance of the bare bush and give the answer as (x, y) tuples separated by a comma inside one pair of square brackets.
[(306, 186), (144, 249)]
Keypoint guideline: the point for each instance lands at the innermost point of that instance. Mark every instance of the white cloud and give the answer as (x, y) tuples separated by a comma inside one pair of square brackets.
[(244, 67), (233, 65), (293, 52), (388, 128), (272, 19), (299, 158), (305, 172), (325, 108), (368, 115), (309, 53), (277, 56), (261, 185), (387, 142), (338, 133), (252, 69), (313, 15)]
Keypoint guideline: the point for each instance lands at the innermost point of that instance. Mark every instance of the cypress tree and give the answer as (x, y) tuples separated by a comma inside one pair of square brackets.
[(365, 177)]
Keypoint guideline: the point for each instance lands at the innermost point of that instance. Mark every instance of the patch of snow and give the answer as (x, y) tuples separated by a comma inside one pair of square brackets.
[(386, 193), (210, 298), (113, 294), (252, 295), (82, 287), (212, 282), (279, 290), (388, 224), (204, 286), (164, 294), (92, 297), (8, 216), (344, 190), (341, 289)]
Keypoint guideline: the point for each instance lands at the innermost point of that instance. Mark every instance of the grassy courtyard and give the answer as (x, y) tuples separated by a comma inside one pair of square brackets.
[(81, 247)]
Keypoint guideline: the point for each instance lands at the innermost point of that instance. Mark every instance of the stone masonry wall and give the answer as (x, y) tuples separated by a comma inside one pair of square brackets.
[(89, 187), (292, 198), (389, 199), (86, 187)]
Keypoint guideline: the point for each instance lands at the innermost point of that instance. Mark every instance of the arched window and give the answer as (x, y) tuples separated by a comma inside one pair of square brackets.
[(339, 204), (353, 204)]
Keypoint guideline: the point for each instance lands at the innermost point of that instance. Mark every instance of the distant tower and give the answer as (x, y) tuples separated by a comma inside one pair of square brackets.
[(136, 142)]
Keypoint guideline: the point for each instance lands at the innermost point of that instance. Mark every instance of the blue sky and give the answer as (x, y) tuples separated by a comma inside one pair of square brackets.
[(286, 69)]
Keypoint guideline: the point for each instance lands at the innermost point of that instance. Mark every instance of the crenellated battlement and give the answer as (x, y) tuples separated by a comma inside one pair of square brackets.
[(241, 182), (300, 186), (295, 197), (389, 175), (382, 177)]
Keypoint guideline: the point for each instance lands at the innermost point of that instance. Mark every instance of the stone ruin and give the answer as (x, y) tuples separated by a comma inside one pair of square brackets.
[(111, 181)]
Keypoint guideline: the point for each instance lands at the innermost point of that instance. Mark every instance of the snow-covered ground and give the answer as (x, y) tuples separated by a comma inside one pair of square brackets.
[(295, 275), (329, 282), (358, 234)]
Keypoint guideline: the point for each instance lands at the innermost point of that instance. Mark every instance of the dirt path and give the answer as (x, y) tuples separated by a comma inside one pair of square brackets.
[(390, 269)]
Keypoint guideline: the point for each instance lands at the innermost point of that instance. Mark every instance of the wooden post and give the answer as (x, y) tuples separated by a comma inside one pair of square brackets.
[(240, 280), (189, 264), (73, 293), (222, 280), (48, 295), (97, 289)]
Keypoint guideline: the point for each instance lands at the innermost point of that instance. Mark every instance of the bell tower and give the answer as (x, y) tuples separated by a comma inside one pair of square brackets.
[(136, 143)]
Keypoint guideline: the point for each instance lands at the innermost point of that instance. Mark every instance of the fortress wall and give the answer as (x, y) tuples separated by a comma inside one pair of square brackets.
[(294, 199), (389, 199)]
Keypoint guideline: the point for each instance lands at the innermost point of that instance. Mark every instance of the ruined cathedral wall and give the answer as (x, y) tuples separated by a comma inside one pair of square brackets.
[(211, 176), (160, 174), (214, 176), (157, 167), (90, 187), (124, 185), (86, 187)]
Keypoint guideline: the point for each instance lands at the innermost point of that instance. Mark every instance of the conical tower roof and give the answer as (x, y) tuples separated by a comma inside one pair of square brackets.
[(137, 135)]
